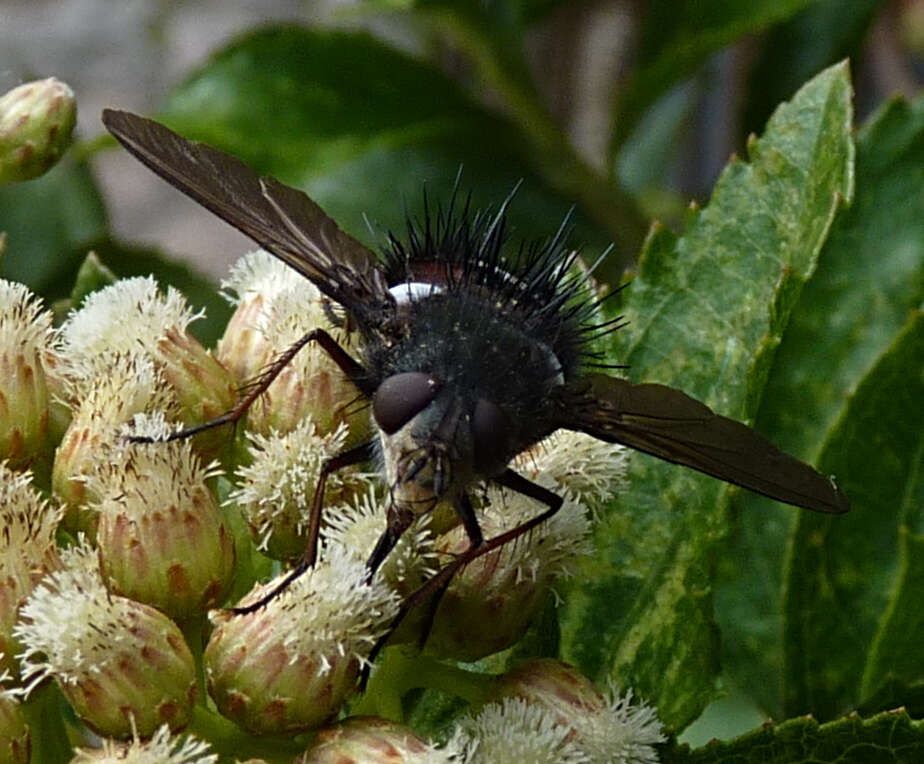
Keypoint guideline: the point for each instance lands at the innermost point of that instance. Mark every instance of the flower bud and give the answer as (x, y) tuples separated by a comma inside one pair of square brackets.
[(36, 122), (275, 491), (131, 385), (162, 536), (59, 410), (162, 748), (370, 740), (557, 685), (276, 307), (243, 349), (604, 728), (27, 553), (131, 315), (15, 742), (201, 384), (490, 602), (25, 335), (290, 665), (123, 666)]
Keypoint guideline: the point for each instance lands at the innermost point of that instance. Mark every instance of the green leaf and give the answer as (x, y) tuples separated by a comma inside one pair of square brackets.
[(510, 14), (896, 692), (313, 108), (91, 276), (676, 37), (888, 738), (706, 311), (896, 650), (854, 583), (645, 158), (51, 222), (870, 275)]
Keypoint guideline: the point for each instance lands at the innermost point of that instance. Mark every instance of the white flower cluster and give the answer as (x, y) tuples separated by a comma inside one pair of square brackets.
[(514, 730)]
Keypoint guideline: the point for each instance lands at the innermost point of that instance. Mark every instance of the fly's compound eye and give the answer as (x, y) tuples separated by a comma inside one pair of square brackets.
[(491, 436), (401, 397)]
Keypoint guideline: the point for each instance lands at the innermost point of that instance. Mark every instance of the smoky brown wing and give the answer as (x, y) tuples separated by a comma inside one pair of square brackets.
[(281, 219), (669, 424)]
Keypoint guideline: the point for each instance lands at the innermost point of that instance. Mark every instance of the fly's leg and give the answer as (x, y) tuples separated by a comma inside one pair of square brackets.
[(436, 586), (466, 512), (361, 453), (348, 365), (355, 455)]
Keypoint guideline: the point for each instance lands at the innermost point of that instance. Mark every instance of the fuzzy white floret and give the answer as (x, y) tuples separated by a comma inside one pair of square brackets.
[(551, 550), (131, 384), (124, 317), (623, 733), (588, 469), (283, 472), (358, 526), (292, 305), (23, 323), (258, 272), (70, 622), (29, 523), (135, 477), (331, 610), (514, 731), (162, 748)]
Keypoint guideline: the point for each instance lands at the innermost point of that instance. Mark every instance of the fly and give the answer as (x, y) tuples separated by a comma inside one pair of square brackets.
[(467, 359)]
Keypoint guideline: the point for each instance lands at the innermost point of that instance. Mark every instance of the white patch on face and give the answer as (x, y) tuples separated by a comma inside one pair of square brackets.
[(411, 291)]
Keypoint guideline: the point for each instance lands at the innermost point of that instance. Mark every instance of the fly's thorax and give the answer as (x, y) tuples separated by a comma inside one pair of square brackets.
[(464, 388), (488, 356)]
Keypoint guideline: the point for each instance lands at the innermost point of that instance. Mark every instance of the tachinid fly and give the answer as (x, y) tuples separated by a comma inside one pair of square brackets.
[(467, 359)]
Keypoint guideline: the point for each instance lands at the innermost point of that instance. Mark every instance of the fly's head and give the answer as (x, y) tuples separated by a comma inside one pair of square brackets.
[(435, 440)]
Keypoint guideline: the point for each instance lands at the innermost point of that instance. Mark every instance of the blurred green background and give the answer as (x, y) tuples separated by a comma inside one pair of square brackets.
[(626, 110)]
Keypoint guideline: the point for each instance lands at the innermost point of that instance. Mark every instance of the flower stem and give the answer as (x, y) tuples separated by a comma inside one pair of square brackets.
[(403, 669)]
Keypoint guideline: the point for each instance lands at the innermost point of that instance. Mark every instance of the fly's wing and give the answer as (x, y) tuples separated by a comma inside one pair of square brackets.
[(281, 219), (671, 425)]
